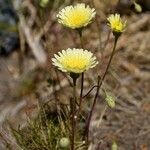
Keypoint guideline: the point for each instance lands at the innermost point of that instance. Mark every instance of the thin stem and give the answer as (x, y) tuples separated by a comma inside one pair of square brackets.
[(108, 65), (71, 2), (82, 76), (82, 80), (81, 93), (73, 110), (91, 112), (81, 38), (105, 44), (99, 84), (92, 88)]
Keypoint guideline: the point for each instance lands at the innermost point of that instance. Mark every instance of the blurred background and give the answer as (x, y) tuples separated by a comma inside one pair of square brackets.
[(30, 35)]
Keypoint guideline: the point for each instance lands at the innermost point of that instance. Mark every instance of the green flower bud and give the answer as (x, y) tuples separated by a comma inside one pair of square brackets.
[(138, 8), (110, 100), (44, 3), (114, 146), (64, 142)]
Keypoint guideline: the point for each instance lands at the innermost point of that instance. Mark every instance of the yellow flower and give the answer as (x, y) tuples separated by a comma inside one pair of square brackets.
[(74, 60), (116, 24), (77, 16)]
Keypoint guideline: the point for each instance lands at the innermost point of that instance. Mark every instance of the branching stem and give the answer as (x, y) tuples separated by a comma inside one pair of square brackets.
[(99, 84)]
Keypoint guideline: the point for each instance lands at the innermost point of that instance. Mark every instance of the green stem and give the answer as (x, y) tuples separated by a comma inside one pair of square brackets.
[(73, 110), (82, 81), (81, 94), (82, 76), (71, 2), (99, 84), (81, 38), (73, 119), (108, 65)]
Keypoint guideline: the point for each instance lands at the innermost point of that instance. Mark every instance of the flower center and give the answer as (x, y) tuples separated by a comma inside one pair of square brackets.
[(117, 25), (78, 17), (74, 62)]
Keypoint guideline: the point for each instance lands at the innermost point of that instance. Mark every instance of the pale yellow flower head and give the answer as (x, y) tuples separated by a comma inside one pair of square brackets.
[(116, 23), (77, 16), (74, 60)]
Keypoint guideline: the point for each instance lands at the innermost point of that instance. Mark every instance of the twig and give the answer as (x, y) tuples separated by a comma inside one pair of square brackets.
[(33, 12), (33, 41)]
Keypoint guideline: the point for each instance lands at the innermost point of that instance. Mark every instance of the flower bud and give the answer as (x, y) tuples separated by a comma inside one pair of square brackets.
[(44, 3), (110, 100), (138, 7), (114, 146), (64, 142), (116, 24)]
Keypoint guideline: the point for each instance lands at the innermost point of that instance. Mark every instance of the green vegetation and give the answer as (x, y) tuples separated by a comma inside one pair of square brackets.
[(42, 133)]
